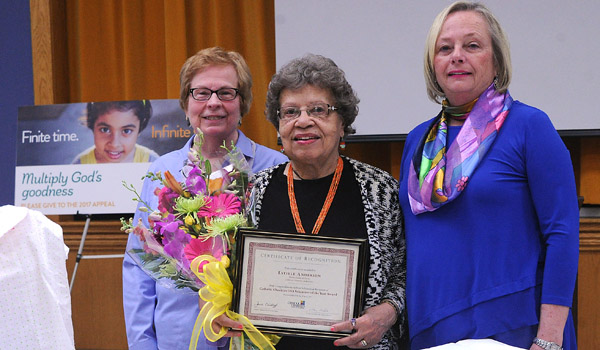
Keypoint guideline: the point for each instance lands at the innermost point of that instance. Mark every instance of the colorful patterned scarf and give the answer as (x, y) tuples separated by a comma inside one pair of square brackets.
[(428, 186)]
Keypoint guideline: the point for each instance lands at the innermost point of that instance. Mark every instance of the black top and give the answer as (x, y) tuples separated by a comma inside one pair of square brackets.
[(346, 218)]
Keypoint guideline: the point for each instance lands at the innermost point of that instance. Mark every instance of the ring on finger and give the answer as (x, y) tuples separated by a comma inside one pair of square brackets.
[(353, 322), (364, 343)]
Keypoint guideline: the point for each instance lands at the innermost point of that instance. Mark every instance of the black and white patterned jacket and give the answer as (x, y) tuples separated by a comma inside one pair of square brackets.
[(383, 218)]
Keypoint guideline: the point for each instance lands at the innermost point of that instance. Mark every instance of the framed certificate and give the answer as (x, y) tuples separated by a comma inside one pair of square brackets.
[(299, 284)]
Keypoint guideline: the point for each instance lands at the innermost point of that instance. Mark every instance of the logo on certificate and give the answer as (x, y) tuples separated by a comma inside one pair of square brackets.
[(297, 304)]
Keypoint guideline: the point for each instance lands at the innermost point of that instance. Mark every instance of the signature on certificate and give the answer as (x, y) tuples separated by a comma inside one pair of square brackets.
[(266, 305)]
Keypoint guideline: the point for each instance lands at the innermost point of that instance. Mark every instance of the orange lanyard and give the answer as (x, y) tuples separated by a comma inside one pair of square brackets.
[(332, 189)]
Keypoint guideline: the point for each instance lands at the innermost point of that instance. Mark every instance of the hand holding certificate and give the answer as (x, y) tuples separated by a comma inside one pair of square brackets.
[(299, 285), (320, 284), (307, 286)]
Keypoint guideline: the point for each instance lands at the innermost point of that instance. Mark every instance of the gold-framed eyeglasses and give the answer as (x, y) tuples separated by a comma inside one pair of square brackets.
[(318, 110), (204, 94)]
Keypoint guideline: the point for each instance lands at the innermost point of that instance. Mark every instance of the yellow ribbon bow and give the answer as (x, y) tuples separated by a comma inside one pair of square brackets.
[(218, 293)]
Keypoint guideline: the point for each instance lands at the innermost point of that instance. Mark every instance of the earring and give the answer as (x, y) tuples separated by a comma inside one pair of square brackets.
[(342, 144), (495, 83), (282, 150)]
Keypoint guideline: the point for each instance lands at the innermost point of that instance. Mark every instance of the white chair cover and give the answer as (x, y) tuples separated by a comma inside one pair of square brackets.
[(475, 344), (35, 304)]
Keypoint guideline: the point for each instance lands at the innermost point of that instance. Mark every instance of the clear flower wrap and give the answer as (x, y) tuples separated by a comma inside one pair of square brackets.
[(190, 241)]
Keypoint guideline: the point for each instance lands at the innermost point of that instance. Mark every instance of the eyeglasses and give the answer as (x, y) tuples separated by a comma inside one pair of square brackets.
[(319, 110), (204, 94)]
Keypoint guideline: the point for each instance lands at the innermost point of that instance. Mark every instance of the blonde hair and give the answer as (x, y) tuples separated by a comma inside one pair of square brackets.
[(500, 48)]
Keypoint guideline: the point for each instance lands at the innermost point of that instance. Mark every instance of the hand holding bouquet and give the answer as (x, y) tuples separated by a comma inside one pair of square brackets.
[(191, 237)]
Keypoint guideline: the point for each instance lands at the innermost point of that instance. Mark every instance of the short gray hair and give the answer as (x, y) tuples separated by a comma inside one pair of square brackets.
[(318, 71)]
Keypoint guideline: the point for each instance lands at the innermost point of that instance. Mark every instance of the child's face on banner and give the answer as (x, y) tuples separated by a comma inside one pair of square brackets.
[(115, 135)]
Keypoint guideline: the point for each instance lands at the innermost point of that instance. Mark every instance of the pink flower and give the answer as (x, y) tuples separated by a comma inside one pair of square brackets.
[(151, 245), (141, 232), (462, 183), (213, 246), (152, 218), (166, 199), (221, 206), (201, 246)]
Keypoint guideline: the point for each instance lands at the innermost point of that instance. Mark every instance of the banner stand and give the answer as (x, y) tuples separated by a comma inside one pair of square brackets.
[(88, 218)]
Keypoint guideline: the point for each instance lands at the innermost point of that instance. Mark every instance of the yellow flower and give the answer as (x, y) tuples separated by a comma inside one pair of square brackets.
[(189, 220), (225, 261)]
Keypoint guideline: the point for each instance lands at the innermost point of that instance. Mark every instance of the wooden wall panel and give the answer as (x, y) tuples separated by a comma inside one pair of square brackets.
[(588, 288), (41, 45), (590, 171), (96, 298), (384, 155)]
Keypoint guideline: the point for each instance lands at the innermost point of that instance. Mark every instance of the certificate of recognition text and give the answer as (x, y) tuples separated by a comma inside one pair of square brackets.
[(297, 283)]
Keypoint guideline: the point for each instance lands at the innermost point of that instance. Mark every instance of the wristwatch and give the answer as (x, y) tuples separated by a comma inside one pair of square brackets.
[(547, 345)]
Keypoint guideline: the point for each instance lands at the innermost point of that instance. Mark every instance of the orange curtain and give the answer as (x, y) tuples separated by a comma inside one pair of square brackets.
[(134, 49)]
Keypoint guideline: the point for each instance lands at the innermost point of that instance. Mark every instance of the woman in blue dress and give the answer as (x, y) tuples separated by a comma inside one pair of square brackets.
[(488, 194)]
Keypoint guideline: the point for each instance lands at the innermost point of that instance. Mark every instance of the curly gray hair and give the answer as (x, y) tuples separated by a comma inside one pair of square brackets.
[(318, 71)]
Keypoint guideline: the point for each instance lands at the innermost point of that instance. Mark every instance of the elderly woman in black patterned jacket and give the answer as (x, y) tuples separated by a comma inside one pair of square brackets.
[(313, 107)]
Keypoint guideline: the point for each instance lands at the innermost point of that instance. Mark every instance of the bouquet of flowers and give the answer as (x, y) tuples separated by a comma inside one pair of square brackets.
[(190, 241)]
